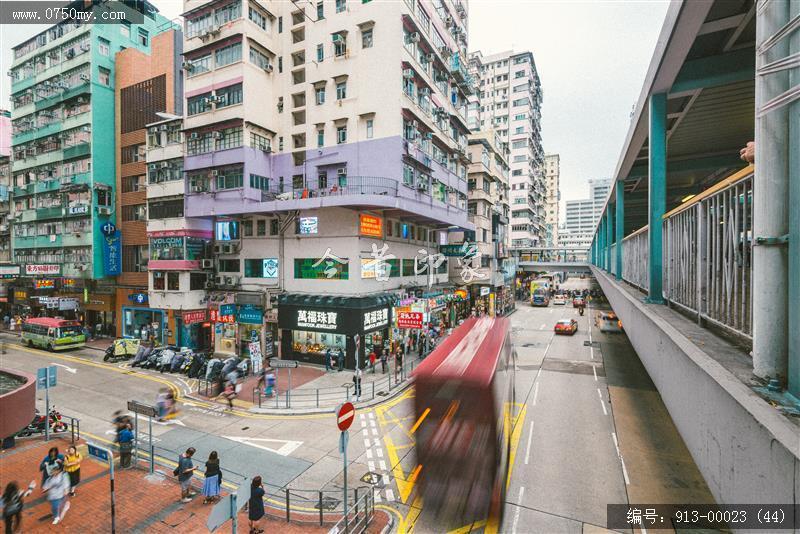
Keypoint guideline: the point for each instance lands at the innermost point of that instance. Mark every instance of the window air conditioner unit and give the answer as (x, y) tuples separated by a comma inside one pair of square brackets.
[(214, 173), (413, 38), (219, 280), (104, 210), (217, 135), (228, 249), (448, 20), (210, 284), (218, 249), (268, 68), (214, 31), (422, 186), (408, 74), (81, 100), (231, 280), (194, 135), (153, 166), (85, 77), (207, 264), (165, 165)]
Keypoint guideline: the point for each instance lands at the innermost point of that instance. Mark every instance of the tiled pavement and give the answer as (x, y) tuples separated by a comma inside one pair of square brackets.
[(142, 505)]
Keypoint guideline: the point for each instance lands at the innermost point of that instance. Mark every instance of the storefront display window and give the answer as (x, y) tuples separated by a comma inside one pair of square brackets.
[(166, 248), (141, 323), (306, 342)]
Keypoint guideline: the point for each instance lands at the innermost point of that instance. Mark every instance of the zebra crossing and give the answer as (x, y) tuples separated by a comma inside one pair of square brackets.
[(376, 460)]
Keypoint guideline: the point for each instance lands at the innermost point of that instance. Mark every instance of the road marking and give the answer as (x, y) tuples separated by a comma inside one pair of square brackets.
[(535, 393), (624, 472), (375, 431), (419, 421), (371, 466), (376, 442), (603, 405), (169, 422), (591, 350), (595, 373), (550, 310), (366, 443), (382, 464), (69, 369), (371, 415), (372, 423), (616, 444), (377, 494), (380, 452), (369, 453), (188, 389), (389, 495), (286, 449), (519, 507), (528, 450), (599, 394)]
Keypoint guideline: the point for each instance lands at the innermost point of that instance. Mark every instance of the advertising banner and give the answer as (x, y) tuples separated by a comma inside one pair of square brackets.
[(407, 319)]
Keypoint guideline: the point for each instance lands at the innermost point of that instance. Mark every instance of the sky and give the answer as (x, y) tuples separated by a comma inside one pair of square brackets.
[(592, 57)]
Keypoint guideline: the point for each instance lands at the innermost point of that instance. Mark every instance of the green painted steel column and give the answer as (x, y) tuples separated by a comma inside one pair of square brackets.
[(601, 242), (657, 192), (794, 219), (610, 234), (620, 225)]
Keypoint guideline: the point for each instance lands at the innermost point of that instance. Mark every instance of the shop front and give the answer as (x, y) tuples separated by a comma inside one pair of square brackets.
[(312, 325), (144, 323), (192, 330), (225, 327)]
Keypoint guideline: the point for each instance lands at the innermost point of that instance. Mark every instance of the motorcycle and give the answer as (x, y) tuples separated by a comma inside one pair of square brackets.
[(37, 425), (121, 349)]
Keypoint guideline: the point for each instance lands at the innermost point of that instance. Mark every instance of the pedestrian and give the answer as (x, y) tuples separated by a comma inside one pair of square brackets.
[(422, 344), (6, 321), (57, 488), (229, 393), (213, 479), (357, 382), (270, 389), (328, 366), (53, 460), (372, 359), (340, 357), (384, 358), (398, 361), (72, 465), (184, 472), (12, 505), (255, 505), (125, 440)]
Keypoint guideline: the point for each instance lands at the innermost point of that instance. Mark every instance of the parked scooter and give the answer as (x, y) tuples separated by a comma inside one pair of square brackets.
[(37, 425)]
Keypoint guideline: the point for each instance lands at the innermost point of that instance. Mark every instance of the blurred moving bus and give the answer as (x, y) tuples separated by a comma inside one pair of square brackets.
[(53, 334), (464, 398)]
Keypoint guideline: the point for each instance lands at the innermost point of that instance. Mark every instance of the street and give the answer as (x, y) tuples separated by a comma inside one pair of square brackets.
[(591, 430)]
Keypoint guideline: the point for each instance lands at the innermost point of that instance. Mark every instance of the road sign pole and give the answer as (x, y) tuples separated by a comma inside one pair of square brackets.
[(344, 440), (135, 438), (113, 507), (47, 405), (152, 455), (289, 391), (233, 513)]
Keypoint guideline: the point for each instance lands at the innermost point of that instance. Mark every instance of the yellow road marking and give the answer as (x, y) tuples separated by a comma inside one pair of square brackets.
[(515, 435), (401, 526), (403, 486), (467, 528), (416, 510)]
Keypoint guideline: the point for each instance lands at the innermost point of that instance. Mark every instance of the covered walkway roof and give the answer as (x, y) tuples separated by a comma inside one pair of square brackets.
[(704, 61)]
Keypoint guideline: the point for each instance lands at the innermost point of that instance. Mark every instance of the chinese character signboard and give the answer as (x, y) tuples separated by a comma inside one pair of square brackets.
[(44, 283), (409, 319), (371, 226), (250, 314), (112, 257), (38, 270), (452, 251), (319, 320), (9, 271), (376, 319), (218, 317), (227, 309), (194, 316)]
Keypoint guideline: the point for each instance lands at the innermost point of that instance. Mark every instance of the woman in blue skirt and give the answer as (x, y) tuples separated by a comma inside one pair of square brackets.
[(213, 479)]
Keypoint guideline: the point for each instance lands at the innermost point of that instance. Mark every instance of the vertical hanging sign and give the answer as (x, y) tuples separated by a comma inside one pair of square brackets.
[(112, 257)]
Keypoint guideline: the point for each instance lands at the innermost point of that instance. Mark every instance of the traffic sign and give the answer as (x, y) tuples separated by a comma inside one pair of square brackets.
[(99, 452), (143, 409), (345, 415), (277, 363), (46, 377)]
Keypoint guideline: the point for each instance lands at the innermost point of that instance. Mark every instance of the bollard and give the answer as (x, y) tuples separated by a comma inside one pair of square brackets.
[(320, 508), (287, 398), (152, 459), (287, 505), (373, 391), (318, 407)]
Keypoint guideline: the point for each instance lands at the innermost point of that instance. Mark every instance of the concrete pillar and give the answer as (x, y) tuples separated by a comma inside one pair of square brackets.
[(794, 218), (620, 226), (609, 236), (657, 192), (770, 207)]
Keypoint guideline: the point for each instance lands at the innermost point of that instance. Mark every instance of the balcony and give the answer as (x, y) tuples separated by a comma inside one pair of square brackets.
[(54, 212), (351, 186), (461, 75)]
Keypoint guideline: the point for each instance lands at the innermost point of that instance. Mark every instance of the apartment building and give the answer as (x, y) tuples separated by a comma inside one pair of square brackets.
[(510, 100), (490, 287), (316, 135), (552, 172), (63, 168), (582, 215), (149, 87)]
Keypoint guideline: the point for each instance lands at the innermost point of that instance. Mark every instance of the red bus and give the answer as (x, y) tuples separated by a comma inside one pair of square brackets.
[(464, 399)]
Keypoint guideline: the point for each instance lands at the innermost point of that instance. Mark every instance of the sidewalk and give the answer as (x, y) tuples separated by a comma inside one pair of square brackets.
[(142, 504)]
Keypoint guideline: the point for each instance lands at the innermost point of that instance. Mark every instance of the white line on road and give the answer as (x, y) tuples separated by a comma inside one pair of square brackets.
[(380, 452), (599, 394), (375, 431), (516, 512), (371, 466), (603, 405), (624, 472), (616, 443), (591, 350), (550, 310), (595, 373), (371, 415), (389, 495), (377, 442), (372, 423), (366, 443), (528, 449), (535, 393), (369, 453), (377, 494), (382, 464)]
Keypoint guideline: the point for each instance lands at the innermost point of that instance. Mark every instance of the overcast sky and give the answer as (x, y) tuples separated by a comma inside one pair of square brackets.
[(592, 57)]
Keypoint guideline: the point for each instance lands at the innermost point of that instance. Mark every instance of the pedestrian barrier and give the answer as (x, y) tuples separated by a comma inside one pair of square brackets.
[(331, 396), (358, 517), (74, 428)]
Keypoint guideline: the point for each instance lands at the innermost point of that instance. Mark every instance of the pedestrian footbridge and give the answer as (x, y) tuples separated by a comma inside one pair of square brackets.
[(699, 252), (555, 266)]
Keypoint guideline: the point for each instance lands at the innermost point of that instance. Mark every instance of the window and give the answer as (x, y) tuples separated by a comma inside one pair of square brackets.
[(131, 184), (280, 24), (165, 171), (125, 28), (229, 138), (519, 130), (366, 38), (144, 37), (258, 58), (273, 227), (320, 10), (199, 65), (254, 268), (319, 93), (105, 76), (247, 224), (135, 212), (198, 104), (258, 18), (320, 137), (341, 134), (341, 5), (230, 178), (261, 227), (104, 47), (260, 142), (229, 266), (259, 182), (133, 153), (370, 128), (228, 13), (197, 281), (339, 44), (320, 53), (341, 90), (198, 143), (227, 55), (166, 209), (229, 96)]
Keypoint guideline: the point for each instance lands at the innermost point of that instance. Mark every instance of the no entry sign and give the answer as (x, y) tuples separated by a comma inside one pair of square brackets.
[(345, 414)]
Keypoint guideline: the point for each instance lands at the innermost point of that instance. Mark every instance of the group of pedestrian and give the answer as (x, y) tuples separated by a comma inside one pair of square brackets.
[(212, 486), (124, 438), (330, 365)]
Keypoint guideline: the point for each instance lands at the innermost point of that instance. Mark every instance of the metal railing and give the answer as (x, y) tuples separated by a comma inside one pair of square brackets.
[(635, 250), (707, 250), (358, 516), (329, 397), (708, 255), (334, 187)]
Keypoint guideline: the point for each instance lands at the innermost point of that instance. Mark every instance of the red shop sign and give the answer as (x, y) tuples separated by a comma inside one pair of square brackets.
[(196, 316), (217, 318), (409, 320)]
